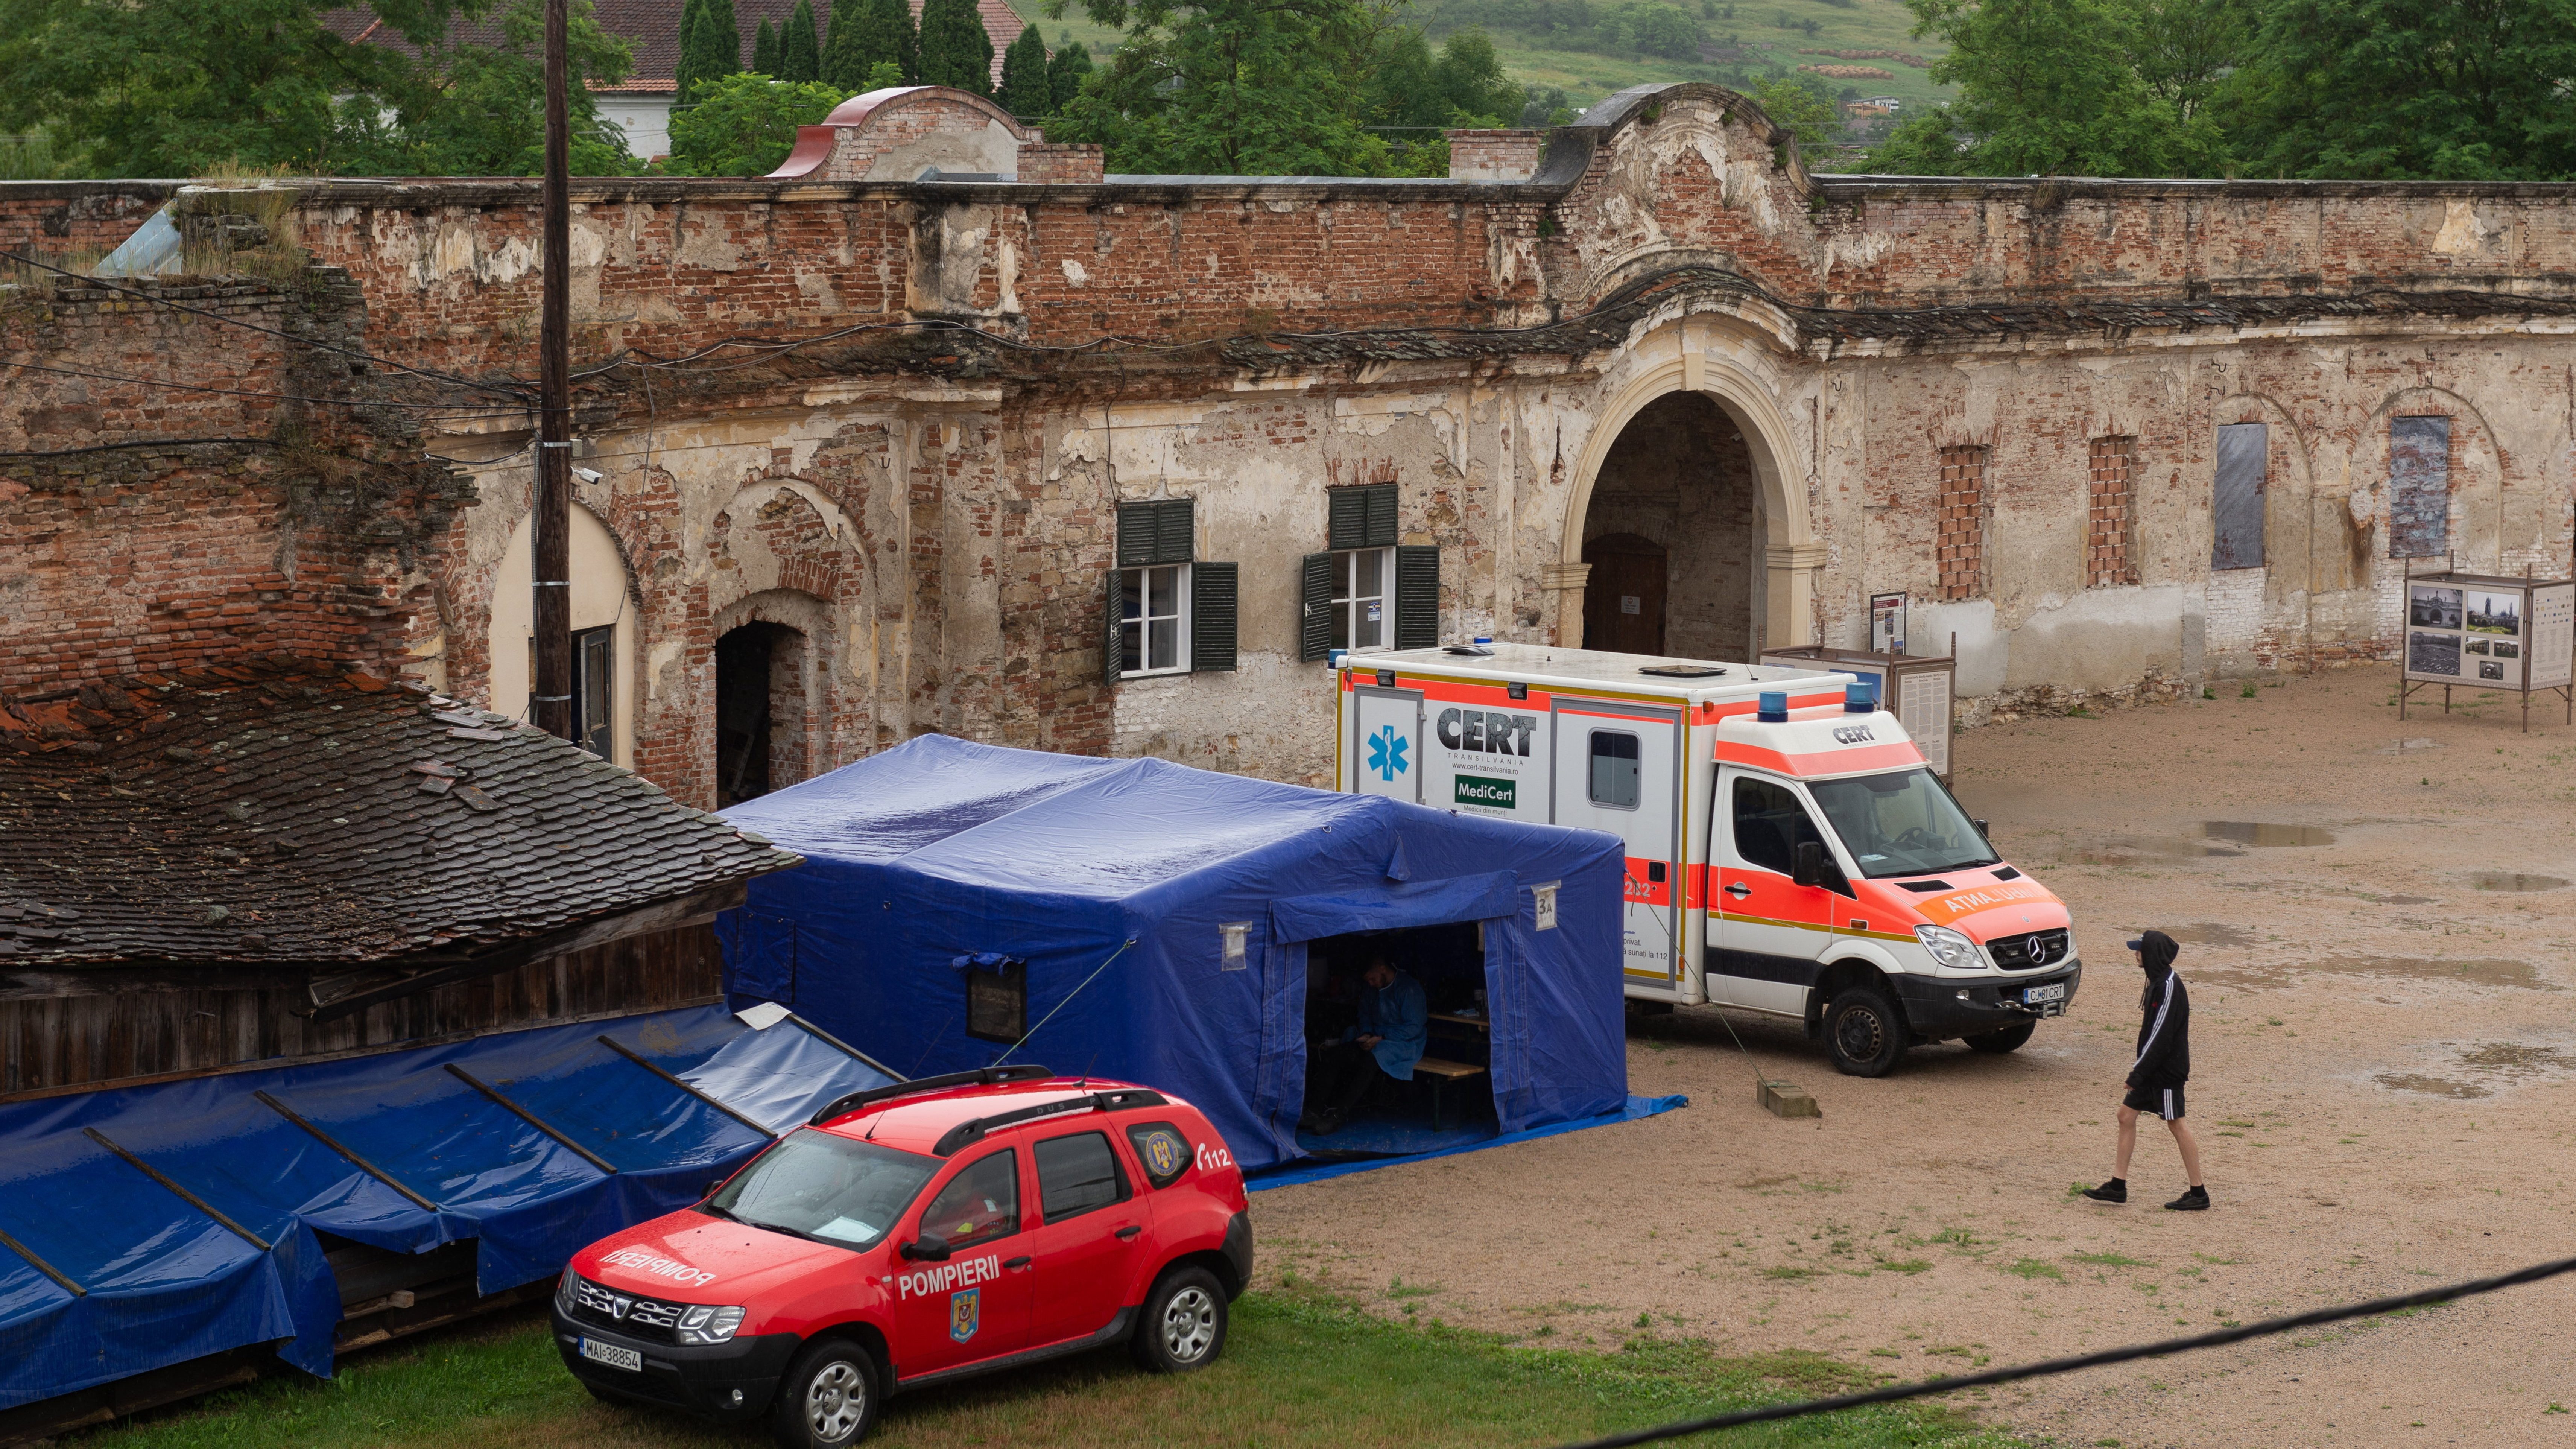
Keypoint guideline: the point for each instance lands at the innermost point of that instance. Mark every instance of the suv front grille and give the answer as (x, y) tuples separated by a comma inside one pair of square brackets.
[(2028, 951), (597, 1303)]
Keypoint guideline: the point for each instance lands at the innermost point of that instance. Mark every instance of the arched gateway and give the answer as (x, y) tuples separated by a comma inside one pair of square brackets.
[(1687, 531)]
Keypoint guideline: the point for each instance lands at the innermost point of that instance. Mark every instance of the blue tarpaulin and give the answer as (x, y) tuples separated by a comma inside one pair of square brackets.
[(1114, 886), (161, 1281)]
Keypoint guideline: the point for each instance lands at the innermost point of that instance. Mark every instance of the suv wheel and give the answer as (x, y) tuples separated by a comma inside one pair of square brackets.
[(1999, 1042), (1183, 1326), (828, 1399), (1864, 1031)]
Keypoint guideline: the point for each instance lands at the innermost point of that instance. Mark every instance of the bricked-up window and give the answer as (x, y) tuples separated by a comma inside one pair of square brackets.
[(1962, 543), (2236, 497), (2111, 526), (2419, 487), (1367, 591), (1168, 613)]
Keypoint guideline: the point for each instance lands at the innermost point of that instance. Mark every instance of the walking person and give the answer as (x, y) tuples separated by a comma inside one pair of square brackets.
[(2156, 1078)]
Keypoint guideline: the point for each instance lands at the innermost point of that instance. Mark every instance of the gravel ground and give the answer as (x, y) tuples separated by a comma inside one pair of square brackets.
[(2384, 1084)]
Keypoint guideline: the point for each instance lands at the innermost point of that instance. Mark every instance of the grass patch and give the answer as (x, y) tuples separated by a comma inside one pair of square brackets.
[(2034, 1268), (1906, 1265), (2109, 1260), (1299, 1370), (1793, 1274)]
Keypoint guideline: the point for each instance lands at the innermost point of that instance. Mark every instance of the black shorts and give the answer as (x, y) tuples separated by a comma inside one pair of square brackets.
[(2165, 1102)]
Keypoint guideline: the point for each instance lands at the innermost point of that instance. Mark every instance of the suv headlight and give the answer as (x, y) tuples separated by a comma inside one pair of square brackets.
[(1949, 948), (709, 1325)]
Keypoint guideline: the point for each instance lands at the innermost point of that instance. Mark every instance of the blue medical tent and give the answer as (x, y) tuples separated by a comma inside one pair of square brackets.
[(1158, 917)]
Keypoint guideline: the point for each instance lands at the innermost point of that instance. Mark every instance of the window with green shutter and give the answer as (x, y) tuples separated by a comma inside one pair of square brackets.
[(1367, 592), (1167, 613)]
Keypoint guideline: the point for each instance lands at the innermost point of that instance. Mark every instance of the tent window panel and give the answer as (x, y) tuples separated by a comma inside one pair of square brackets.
[(2236, 502), (1078, 1174), (997, 1002), (2419, 487), (1614, 769)]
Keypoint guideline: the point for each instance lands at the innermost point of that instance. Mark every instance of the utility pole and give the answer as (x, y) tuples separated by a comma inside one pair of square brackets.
[(550, 698)]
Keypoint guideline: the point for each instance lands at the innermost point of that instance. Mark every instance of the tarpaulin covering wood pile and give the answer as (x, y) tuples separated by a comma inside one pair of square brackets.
[(111, 1268)]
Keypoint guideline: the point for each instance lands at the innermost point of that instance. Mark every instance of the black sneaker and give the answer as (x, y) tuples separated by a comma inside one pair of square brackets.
[(2194, 1201), (2115, 1190)]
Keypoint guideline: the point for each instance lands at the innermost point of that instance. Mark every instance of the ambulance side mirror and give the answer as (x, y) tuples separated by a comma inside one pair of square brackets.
[(1807, 865), (930, 1248), (1981, 826)]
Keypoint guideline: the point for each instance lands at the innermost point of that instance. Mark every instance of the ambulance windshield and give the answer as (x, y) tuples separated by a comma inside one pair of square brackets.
[(816, 1185), (1902, 823)]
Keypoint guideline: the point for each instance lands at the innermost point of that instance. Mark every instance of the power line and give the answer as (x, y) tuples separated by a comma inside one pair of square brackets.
[(2265, 1329)]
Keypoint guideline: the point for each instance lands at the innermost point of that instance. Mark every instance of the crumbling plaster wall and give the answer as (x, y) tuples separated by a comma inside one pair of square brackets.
[(2327, 590)]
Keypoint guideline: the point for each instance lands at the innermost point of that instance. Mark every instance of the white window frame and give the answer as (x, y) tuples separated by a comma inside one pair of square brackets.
[(1346, 608), (1181, 635)]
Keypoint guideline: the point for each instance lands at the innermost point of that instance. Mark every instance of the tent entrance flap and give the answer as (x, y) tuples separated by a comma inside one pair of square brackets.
[(1394, 907)]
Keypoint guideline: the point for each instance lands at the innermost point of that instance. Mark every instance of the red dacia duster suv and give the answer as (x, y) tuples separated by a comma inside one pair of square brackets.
[(915, 1234)]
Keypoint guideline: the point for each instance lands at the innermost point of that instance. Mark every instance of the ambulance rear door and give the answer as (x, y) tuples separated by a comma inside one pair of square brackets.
[(1619, 769), (1386, 742)]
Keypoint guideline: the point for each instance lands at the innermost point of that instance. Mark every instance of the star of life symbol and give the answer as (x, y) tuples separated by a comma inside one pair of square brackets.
[(1386, 753)]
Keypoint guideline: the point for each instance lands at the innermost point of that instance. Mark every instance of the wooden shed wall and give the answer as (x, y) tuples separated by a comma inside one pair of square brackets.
[(67, 1031)]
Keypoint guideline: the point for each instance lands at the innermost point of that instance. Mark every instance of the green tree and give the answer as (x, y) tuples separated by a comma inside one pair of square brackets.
[(2051, 87), (1025, 92), (479, 110), (885, 75), (764, 50), (1239, 87), (1808, 115), (1065, 70), (710, 47), (865, 35), (800, 55), (955, 51), (744, 125), (2388, 89), (174, 87)]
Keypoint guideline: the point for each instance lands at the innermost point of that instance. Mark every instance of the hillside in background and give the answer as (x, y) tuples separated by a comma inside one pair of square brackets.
[(1591, 48)]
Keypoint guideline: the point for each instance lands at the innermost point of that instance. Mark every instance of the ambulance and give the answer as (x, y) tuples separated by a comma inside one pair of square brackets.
[(1789, 850)]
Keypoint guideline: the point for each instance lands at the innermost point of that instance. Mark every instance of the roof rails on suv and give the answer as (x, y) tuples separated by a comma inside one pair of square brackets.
[(980, 1077), (973, 1129)]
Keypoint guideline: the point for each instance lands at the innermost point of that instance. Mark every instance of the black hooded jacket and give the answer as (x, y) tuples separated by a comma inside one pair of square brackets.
[(2164, 1037)]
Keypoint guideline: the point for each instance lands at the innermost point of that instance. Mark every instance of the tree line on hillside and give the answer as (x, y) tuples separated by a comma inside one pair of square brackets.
[(2359, 89)]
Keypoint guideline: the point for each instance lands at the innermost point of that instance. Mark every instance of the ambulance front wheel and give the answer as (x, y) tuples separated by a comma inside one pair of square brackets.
[(828, 1399), (1999, 1042), (1183, 1327), (1864, 1031)]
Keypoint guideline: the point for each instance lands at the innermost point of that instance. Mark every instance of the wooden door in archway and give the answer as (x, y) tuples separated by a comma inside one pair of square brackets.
[(1623, 598)]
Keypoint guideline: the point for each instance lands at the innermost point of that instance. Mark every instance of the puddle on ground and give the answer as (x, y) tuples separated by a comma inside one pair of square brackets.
[(2210, 934), (2431, 1086), (2401, 900), (2511, 1056), (2257, 833), (2475, 972), (2506, 880)]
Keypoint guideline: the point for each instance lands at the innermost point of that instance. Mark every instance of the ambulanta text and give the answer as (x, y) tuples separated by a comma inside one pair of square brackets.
[(644, 1262), (949, 1277), (1487, 732)]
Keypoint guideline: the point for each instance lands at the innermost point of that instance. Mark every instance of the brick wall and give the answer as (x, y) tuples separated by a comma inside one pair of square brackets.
[(2112, 515), (1050, 165), (52, 219), (1962, 539), (1494, 155), (150, 528)]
